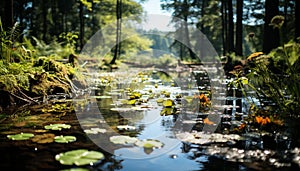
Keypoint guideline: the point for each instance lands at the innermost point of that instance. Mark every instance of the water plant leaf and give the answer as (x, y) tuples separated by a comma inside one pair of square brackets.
[(126, 127), (168, 103), (21, 136), (159, 100), (94, 131), (43, 139), (76, 169), (149, 143), (122, 139), (207, 121), (131, 102), (64, 139), (167, 111), (57, 127), (79, 157)]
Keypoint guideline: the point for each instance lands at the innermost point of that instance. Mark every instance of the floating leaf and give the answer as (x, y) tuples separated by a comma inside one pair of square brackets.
[(44, 138), (168, 103), (207, 121), (79, 157), (167, 111), (64, 139), (149, 143), (21, 136), (58, 127), (131, 102), (122, 139), (76, 169), (126, 127), (160, 100), (95, 131)]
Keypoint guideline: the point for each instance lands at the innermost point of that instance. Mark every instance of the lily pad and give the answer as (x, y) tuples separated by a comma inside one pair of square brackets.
[(43, 139), (57, 127), (94, 131), (64, 139), (126, 127), (168, 103), (122, 139), (79, 157), (21, 136), (149, 143)]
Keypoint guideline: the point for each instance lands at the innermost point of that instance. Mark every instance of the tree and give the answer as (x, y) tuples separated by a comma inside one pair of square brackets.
[(297, 19), (182, 10), (118, 31), (271, 35), (239, 28)]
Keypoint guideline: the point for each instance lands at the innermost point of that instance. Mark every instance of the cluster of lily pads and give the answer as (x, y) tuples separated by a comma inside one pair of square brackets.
[(127, 140), (207, 138), (47, 137)]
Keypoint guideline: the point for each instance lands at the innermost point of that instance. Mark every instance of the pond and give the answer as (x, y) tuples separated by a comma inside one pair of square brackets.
[(145, 120)]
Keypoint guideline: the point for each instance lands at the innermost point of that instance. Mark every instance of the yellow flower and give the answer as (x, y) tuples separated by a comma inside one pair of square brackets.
[(254, 56)]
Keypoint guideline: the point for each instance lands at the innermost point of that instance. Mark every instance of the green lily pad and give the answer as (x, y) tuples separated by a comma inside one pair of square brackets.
[(57, 127), (79, 157), (43, 139), (160, 100), (64, 139), (76, 169), (131, 102), (168, 103), (167, 111), (21, 136), (122, 139), (149, 143)]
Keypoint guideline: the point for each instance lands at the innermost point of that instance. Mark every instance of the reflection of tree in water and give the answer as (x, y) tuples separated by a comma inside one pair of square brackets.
[(115, 118)]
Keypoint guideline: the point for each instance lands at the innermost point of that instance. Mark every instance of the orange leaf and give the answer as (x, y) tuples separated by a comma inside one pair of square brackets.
[(258, 119), (207, 121)]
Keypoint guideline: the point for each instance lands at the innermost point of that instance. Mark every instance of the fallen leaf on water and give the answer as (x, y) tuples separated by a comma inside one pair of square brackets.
[(207, 121)]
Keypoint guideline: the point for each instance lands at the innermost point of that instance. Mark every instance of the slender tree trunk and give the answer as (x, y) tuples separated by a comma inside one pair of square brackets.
[(239, 28), (120, 28), (230, 39), (116, 50), (223, 28), (7, 17), (297, 20), (81, 36), (45, 11), (271, 35)]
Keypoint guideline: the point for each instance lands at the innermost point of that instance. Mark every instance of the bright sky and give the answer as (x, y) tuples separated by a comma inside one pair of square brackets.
[(157, 18), (153, 7)]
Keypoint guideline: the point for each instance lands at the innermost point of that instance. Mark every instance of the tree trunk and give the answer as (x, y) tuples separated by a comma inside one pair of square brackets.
[(297, 20), (239, 28), (223, 15), (116, 50), (45, 11), (271, 35), (230, 37), (81, 36), (7, 17)]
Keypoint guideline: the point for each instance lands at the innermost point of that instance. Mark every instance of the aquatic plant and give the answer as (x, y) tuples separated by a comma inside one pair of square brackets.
[(79, 157), (57, 127), (21, 136), (122, 139), (64, 139)]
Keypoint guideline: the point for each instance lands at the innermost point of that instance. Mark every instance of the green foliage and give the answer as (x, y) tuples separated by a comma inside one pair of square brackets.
[(275, 77)]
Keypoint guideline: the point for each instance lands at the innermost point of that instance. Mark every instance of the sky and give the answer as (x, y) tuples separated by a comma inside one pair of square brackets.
[(153, 7), (157, 18)]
